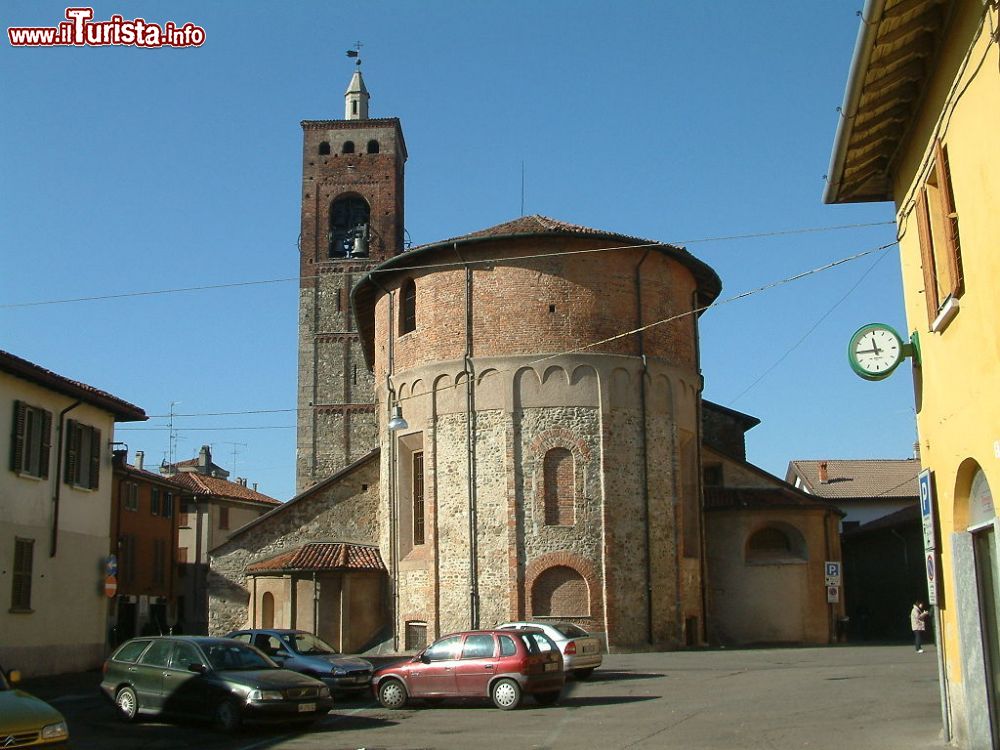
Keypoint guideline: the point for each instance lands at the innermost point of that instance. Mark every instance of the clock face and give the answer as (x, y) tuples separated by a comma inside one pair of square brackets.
[(875, 351)]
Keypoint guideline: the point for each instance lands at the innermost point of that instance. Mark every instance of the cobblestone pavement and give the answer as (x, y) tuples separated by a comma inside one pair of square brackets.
[(877, 697)]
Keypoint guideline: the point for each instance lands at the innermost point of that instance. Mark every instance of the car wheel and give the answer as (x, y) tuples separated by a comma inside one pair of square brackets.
[(392, 694), (506, 694), (127, 704), (228, 715), (547, 699), (583, 674)]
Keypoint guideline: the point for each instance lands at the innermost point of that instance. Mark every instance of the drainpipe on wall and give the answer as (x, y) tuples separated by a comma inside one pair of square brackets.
[(470, 447), (645, 451), (59, 465), (699, 485), (830, 625), (390, 397)]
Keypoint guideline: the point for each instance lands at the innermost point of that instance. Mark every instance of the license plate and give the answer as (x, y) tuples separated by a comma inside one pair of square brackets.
[(551, 667), (304, 707)]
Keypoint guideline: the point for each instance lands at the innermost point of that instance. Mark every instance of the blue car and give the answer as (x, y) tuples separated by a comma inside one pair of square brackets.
[(304, 652)]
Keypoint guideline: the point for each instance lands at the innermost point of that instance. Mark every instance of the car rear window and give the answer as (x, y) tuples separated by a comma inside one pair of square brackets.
[(130, 651), (537, 643), (570, 630)]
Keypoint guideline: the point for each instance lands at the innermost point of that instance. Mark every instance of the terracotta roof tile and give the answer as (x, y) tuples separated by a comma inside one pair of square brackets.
[(741, 498), (322, 556), (872, 479), (222, 488), (22, 368), (538, 224)]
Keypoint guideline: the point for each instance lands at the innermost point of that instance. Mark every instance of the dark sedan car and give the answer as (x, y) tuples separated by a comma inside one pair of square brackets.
[(498, 664), (214, 678), (306, 653)]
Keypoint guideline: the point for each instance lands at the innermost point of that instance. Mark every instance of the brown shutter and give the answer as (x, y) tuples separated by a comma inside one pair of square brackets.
[(17, 437), (927, 256), (43, 454), (72, 451), (95, 457), (950, 217)]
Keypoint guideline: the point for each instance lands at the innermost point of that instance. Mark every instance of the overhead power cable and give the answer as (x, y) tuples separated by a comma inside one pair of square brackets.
[(585, 347), (452, 264)]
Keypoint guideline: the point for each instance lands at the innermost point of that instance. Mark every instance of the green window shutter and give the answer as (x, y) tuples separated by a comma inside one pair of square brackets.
[(95, 457), (71, 471), (17, 437), (43, 457)]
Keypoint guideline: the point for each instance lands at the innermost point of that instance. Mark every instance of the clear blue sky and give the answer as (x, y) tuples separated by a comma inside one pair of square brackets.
[(130, 169)]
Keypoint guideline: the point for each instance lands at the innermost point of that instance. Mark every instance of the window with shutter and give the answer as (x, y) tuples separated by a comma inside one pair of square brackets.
[(30, 440), (940, 246), (83, 455), (20, 596), (72, 451)]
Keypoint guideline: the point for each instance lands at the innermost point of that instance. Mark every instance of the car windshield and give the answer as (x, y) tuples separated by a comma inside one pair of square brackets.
[(570, 630), (227, 656), (307, 644)]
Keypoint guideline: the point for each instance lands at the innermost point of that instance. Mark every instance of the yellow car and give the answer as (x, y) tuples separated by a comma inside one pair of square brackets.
[(27, 721)]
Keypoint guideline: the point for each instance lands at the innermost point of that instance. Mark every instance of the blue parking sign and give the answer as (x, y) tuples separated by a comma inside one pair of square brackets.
[(927, 508)]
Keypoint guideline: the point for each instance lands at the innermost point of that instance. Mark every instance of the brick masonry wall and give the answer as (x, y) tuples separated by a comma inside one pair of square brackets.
[(342, 511), (332, 375), (543, 305), (588, 405)]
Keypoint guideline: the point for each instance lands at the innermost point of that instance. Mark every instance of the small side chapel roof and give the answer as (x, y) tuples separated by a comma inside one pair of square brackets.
[(322, 556)]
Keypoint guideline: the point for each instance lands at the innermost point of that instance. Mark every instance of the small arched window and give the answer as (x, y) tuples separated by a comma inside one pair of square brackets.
[(558, 478), (324, 148), (348, 147), (560, 591), (407, 307), (373, 147)]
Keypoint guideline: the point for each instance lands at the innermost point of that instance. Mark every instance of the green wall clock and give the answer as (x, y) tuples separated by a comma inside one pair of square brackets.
[(876, 350)]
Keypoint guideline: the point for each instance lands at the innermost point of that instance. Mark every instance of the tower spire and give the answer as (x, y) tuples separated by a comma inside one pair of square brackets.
[(356, 96)]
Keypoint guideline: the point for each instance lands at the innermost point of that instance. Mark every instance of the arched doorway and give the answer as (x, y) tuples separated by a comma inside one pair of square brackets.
[(267, 610), (981, 515)]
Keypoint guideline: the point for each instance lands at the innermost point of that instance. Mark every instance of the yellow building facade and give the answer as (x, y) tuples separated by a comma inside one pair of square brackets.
[(919, 126)]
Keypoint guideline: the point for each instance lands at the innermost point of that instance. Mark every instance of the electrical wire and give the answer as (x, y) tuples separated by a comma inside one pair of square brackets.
[(694, 311), (432, 266), (808, 333)]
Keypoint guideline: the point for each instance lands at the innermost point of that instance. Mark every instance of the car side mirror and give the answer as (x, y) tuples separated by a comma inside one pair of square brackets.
[(13, 676), (196, 667), (425, 658)]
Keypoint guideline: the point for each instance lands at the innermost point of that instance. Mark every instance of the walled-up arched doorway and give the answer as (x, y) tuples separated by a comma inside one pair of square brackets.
[(267, 610)]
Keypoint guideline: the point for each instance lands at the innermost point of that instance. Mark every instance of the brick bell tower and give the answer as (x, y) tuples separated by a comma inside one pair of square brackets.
[(352, 220)]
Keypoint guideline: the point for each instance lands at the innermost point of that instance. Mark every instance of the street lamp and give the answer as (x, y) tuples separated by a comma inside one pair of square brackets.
[(397, 422)]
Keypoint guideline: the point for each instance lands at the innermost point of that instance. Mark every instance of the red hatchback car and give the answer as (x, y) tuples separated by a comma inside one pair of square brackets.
[(501, 665)]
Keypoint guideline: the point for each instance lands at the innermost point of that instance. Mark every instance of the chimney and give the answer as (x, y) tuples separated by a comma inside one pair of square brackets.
[(204, 459), (823, 476), (916, 450), (139, 456), (254, 486)]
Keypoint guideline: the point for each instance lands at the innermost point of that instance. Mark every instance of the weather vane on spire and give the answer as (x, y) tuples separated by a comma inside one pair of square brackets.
[(356, 52)]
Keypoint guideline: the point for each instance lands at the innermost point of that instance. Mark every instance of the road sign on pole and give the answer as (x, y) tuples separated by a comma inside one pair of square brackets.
[(832, 573)]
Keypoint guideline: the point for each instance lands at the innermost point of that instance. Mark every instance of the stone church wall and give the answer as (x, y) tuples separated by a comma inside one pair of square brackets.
[(343, 510)]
